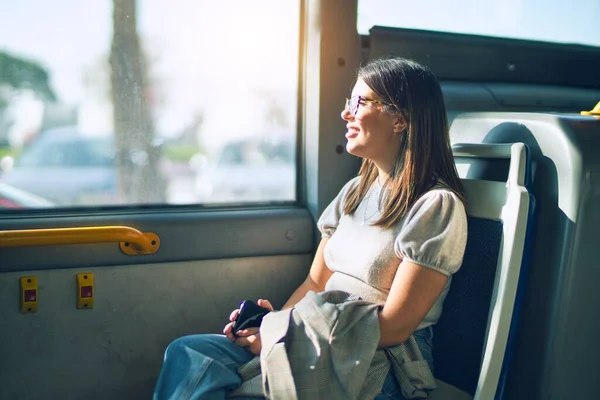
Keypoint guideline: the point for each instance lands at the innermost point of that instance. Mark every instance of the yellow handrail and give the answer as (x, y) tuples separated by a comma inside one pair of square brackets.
[(131, 240), (593, 111)]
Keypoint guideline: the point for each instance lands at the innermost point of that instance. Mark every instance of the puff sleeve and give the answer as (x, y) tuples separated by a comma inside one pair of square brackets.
[(434, 232), (329, 220)]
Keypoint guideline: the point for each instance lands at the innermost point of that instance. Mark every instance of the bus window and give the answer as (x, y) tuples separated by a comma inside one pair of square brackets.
[(548, 21), (123, 102)]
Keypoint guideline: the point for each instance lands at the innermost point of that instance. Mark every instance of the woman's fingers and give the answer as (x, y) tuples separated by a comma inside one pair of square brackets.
[(228, 329), (244, 337), (234, 314), (265, 304), (247, 332), (242, 341), (251, 343)]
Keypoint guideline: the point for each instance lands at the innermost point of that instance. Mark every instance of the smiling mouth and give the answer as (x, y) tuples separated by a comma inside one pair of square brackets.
[(351, 133)]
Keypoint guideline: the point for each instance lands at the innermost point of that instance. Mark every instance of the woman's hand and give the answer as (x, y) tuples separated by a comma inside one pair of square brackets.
[(246, 338)]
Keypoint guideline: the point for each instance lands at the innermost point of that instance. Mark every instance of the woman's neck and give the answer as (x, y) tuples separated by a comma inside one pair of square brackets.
[(382, 176), (385, 168)]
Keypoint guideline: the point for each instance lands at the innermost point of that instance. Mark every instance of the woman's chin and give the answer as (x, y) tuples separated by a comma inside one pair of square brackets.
[(351, 148)]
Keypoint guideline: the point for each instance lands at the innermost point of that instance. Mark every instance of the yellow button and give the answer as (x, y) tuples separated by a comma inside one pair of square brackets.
[(29, 294), (85, 290)]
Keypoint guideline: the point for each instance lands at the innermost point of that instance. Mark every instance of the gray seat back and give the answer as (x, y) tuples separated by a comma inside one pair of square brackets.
[(472, 336)]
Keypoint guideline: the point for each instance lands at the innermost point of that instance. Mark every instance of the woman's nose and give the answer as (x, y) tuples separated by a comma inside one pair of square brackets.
[(346, 114)]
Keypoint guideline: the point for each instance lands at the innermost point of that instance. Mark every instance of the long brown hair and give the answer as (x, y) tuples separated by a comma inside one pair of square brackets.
[(425, 156)]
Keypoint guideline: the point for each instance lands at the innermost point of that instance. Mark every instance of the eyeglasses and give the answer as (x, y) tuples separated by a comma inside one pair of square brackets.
[(354, 102)]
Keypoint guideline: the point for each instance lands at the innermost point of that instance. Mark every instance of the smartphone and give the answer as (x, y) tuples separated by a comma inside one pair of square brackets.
[(250, 316)]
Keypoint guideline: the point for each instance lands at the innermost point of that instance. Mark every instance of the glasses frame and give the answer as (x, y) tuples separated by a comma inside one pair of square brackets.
[(361, 100)]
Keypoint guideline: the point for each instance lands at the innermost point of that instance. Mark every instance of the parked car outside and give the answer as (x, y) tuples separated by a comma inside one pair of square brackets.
[(67, 168), (250, 170), (13, 198)]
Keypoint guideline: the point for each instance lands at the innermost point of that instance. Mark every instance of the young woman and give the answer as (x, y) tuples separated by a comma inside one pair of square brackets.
[(394, 235)]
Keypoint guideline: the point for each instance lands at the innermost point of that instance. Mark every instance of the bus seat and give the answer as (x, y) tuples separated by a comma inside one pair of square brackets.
[(445, 391), (472, 344)]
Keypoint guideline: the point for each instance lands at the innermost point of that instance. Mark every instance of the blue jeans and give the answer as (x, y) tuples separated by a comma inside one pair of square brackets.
[(205, 367)]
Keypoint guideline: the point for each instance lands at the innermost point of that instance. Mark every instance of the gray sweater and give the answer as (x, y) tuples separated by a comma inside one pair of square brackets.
[(365, 258), (326, 348)]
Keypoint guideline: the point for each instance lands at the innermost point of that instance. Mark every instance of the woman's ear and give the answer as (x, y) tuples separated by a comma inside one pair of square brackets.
[(400, 125)]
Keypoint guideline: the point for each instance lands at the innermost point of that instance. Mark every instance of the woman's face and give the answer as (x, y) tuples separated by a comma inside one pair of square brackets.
[(372, 133)]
